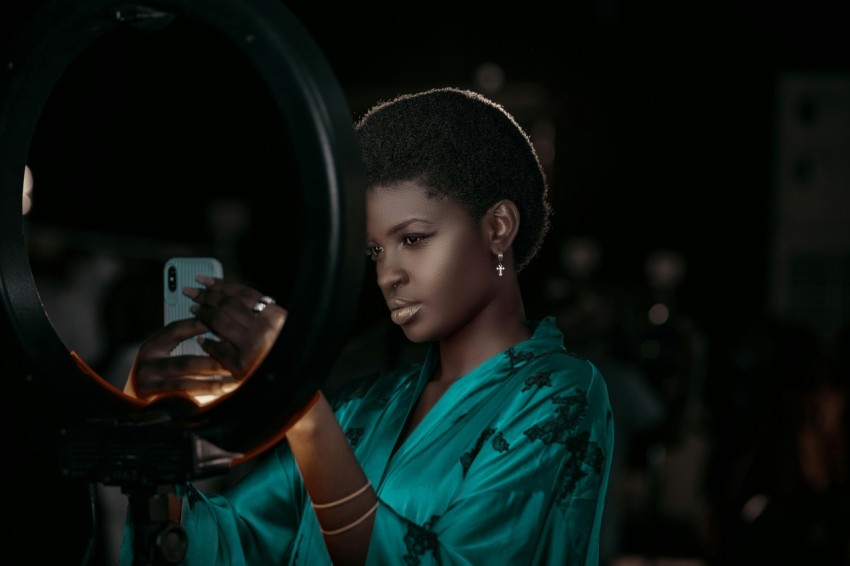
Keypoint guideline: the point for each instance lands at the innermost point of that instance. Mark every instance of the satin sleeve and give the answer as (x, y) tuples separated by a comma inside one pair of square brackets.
[(534, 493), (255, 521)]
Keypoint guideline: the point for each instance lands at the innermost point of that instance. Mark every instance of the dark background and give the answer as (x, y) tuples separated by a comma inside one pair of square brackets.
[(666, 134)]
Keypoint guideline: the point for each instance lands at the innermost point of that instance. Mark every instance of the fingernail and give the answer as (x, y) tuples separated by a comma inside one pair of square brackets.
[(205, 279), (191, 291), (194, 308)]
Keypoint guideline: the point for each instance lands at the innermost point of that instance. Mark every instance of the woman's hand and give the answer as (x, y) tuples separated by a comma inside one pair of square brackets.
[(245, 336), (156, 372), (244, 339)]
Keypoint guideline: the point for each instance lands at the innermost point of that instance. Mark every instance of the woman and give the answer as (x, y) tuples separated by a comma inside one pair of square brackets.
[(494, 450)]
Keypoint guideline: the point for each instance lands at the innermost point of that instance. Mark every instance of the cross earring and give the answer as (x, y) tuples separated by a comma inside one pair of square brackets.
[(501, 267)]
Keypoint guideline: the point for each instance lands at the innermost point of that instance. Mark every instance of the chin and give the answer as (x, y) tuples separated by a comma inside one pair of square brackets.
[(417, 333), (415, 337)]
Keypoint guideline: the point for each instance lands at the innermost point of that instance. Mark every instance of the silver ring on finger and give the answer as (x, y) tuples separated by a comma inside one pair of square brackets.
[(262, 303)]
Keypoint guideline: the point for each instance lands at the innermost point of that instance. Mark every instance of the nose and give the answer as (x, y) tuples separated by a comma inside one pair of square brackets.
[(391, 273)]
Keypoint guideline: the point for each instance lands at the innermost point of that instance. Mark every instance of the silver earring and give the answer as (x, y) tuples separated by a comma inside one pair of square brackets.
[(500, 267)]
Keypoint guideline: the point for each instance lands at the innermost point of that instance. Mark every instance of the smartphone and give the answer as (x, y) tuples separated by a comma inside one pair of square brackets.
[(181, 272)]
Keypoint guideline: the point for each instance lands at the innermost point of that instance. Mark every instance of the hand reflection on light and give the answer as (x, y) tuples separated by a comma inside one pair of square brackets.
[(26, 202)]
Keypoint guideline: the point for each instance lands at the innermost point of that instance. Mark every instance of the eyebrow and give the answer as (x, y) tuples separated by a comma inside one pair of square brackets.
[(404, 224)]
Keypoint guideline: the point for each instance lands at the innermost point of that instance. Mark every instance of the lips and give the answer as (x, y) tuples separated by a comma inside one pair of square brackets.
[(402, 310)]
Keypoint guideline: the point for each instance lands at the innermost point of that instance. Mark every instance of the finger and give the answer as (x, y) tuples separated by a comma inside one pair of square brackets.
[(225, 287), (222, 292), (247, 295), (207, 281), (232, 322), (167, 338), (228, 323), (225, 353), (230, 356), (194, 386), (170, 373), (218, 308), (223, 308), (247, 332), (171, 367)]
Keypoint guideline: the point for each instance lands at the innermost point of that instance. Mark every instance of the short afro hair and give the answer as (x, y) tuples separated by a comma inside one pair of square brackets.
[(461, 145)]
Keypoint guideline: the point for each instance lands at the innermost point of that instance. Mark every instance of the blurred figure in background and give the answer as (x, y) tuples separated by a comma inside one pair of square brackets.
[(779, 470), (671, 348)]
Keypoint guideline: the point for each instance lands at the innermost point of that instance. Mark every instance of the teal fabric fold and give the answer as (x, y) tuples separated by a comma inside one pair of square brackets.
[(510, 466)]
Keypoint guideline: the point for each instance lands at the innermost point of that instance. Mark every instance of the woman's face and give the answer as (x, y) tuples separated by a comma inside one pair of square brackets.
[(434, 265)]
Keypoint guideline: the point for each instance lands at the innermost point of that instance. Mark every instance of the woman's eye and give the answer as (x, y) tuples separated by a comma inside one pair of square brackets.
[(373, 251), (413, 239)]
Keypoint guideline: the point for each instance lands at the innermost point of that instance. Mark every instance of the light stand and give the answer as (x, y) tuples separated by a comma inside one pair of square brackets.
[(152, 451)]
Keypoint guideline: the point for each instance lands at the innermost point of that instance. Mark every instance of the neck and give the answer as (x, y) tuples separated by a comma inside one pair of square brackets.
[(495, 329)]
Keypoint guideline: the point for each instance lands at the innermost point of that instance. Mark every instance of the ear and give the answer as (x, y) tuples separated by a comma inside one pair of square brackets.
[(500, 225)]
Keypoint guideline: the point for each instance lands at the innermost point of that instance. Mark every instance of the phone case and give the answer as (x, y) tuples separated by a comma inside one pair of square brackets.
[(180, 272)]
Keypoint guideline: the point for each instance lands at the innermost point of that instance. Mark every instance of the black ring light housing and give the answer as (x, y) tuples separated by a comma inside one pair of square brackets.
[(328, 278)]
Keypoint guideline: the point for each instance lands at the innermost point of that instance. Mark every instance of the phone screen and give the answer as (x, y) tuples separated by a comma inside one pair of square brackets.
[(180, 272)]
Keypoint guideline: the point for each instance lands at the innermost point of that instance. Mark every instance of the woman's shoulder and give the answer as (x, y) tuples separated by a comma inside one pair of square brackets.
[(551, 363), (552, 378), (557, 400), (547, 357)]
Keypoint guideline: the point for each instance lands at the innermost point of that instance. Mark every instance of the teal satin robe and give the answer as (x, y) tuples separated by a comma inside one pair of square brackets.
[(509, 467)]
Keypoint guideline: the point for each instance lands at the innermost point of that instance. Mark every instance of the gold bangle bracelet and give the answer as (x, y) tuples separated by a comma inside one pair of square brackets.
[(345, 499), (350, 525)]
